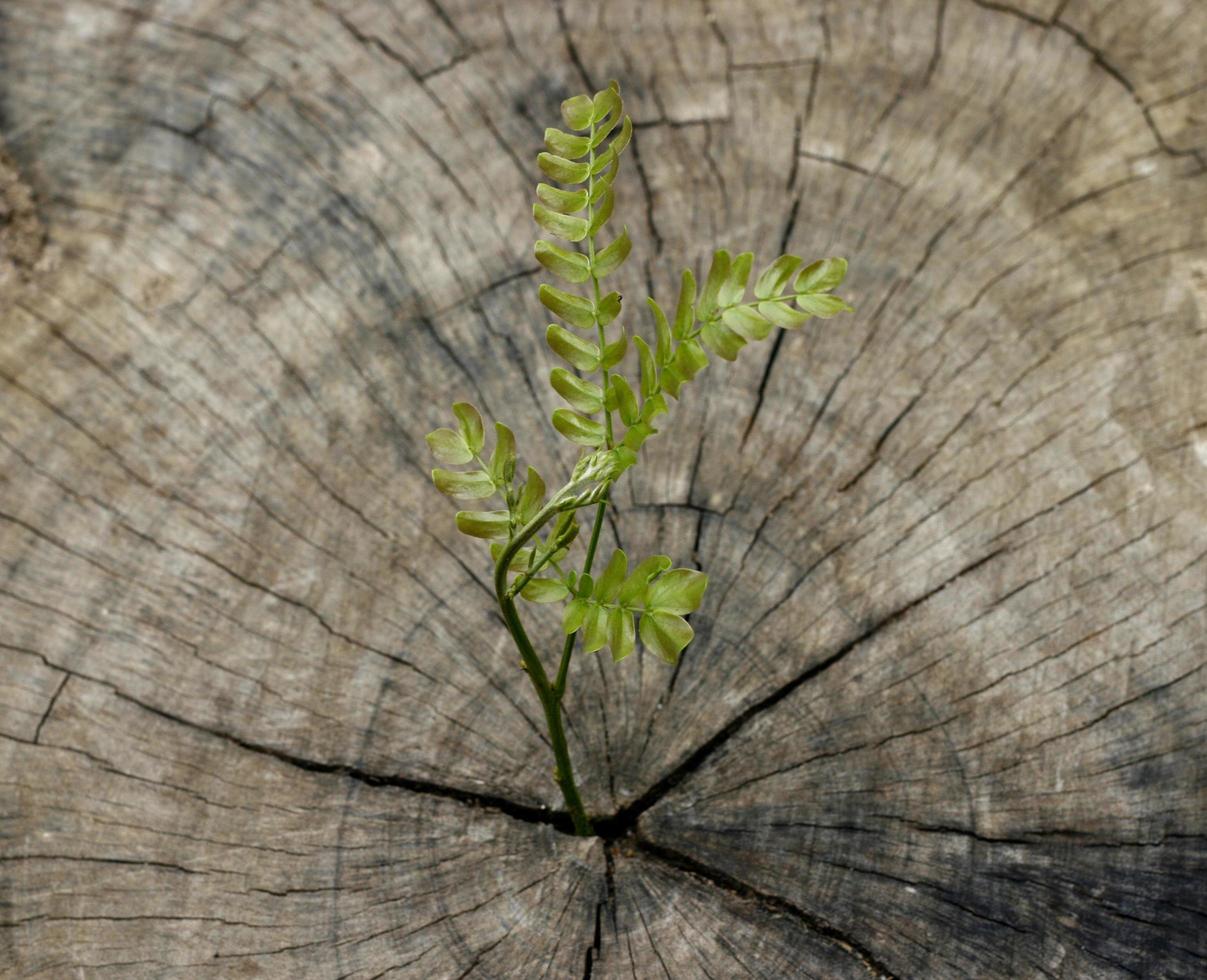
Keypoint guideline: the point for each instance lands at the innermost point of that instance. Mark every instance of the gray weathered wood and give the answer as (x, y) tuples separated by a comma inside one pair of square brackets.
[(945, 712)]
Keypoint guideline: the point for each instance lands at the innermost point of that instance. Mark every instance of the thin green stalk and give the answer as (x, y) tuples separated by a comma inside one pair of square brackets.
[(559, 686), (550, 700)]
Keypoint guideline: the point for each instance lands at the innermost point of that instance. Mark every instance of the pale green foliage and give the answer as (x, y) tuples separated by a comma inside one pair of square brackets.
[(605, 608), (606, 413)]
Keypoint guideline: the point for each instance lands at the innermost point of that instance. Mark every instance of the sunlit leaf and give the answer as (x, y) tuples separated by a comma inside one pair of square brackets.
[(602, 212), (820, 276), (626, 401), (448, 446), (578, 429), (559, 168), (613, 353), (502, 460), (570, 266), (484, 523), (578, 311), (607, 586), (634, 586), (566, 226), (579, 353), (678, 591), (531, 497), (470, 423), (622, 637), (578, 112), (608, 259), (545, 590), (822, 304), (464, 486), (775, 277), (595, 628), (567, 202), (622, 138), (575, 613), (566, 146), (665, 635), (584, 396), (608, 309), (783, 315), (733, 289), (662, 334), (685, 317), (649, 370), (718, 270), (722, 340), (747, 322)]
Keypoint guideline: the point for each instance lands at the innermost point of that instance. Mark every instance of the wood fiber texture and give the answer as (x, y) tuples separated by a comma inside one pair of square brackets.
[(945, 712)]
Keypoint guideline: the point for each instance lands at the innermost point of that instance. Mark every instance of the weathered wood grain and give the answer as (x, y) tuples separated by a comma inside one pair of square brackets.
[(945, 712)]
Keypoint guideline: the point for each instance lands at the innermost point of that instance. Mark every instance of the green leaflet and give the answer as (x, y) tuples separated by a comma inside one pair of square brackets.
[(638, 580), (685, 317), (545, 590), (579, 353), (722, 340), (595, 628), (822, 305), (607, 586), (563, 170), (484, 523), (733, 289), (567, 146), (622, 639), (625, 400), (578, 429), (578, 111), (470, 422), (662, 331), (565, 226), (747, 322), (584, 396), (608, 309), (531, 496), (577, 311), (677, 591), (603, 212), (783, 315), (463, 486), (718, 270), (775, 276), (821, 276), (569, 266), (649, 370), (608, 260), (566, 202), (502, 460), (449, 446), (613, 353), (665, 635)]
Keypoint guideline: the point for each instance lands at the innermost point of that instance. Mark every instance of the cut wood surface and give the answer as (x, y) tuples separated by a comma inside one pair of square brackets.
[(946, 708)]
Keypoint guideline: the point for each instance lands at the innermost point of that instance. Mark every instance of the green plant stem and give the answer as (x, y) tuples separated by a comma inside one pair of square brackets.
[(559, 686), (550, 700)]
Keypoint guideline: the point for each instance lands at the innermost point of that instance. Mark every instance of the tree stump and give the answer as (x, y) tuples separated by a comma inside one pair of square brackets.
[(945, 711)]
